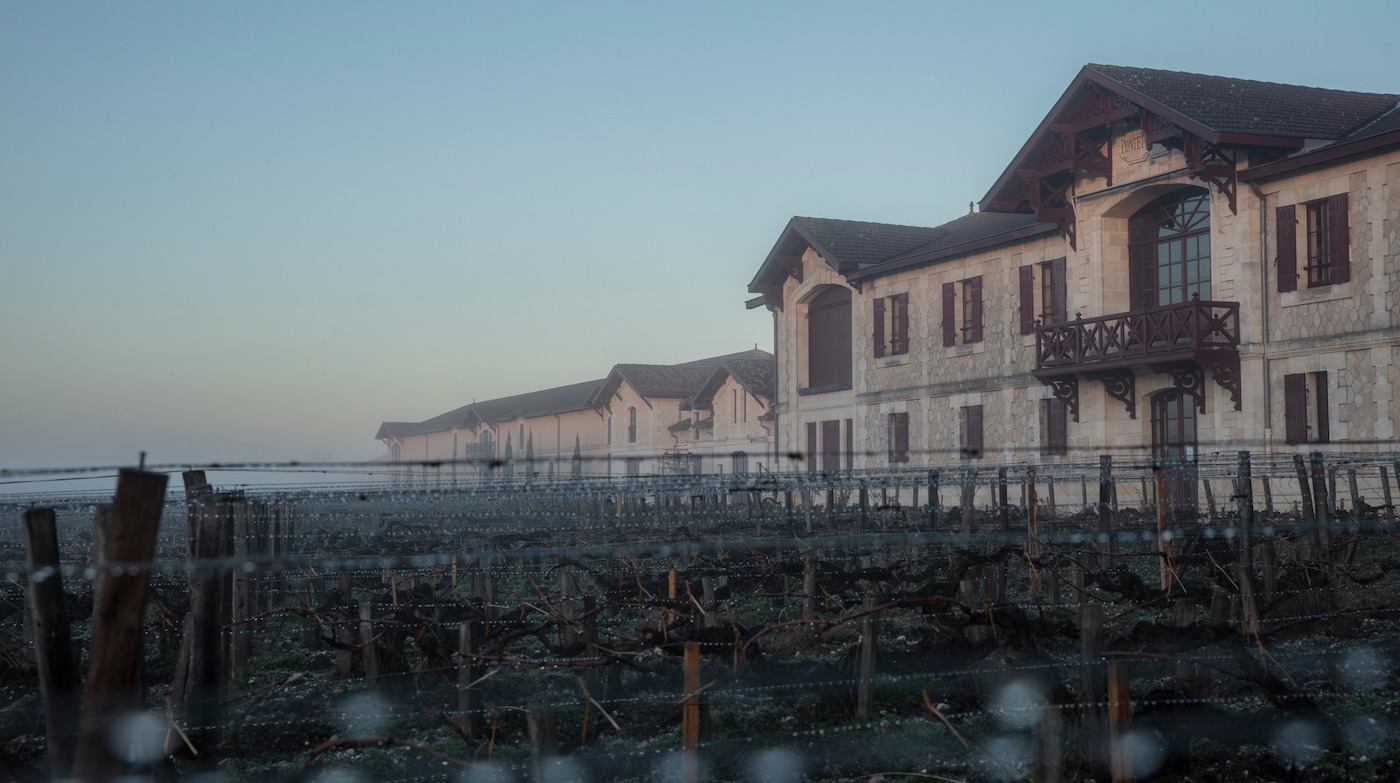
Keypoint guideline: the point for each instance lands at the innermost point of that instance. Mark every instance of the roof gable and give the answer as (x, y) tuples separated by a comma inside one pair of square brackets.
[(846, 245), (670, 381), (1209, 118)]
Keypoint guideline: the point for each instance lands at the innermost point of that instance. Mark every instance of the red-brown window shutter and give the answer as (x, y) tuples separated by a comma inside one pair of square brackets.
[(811, 447), (879, 318), (850, 445), (1059, 306), (975, 288), (901, 437), (1287, 235), (1027, 299), (950, 325), (1323, 435), (1339, 239), (1295, 408), (900, 341)]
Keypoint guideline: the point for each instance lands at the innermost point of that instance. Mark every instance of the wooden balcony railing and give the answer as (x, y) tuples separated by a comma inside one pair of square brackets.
[(1180, 331)]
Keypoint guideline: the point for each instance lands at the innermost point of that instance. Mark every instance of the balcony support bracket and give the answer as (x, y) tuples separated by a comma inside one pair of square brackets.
[(1066, 389), (1121, 386), (1225, 370)]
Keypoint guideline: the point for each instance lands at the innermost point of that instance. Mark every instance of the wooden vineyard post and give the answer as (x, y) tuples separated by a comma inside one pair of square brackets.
[(1164, 544), (53, 642), (1120, 710), (544, 742), (592, 680), (1244, 499), (1385, 489), (1032, 535), (690, 716), (809, 587), (1268, 494), (239, 628), (1105, 512), (1308, 546), (869, 641), (1185, 617), (1210, 499), (932, 499), (206, 626), (1322, 507), (369, 642), (1091, 657), (343, 631), (1003, 509), (468, 695), (117, 631), (969, 500)]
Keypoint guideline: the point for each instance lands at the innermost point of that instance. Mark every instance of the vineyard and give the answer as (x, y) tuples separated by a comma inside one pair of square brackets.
[(1047, 623)]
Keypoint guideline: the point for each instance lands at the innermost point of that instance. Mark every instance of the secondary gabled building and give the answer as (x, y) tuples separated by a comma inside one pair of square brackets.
[(641, 419), (1171, 262)]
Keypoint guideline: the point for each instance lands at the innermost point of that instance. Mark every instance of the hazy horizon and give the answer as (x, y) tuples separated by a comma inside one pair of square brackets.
[(253, 232)]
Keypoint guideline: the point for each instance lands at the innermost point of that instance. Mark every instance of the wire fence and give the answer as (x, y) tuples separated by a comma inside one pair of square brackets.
[(1122, 617)]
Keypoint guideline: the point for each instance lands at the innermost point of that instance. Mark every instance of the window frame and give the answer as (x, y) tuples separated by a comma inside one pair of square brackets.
[(890, 325), (962, 312), (1323, 245), (897, 438)]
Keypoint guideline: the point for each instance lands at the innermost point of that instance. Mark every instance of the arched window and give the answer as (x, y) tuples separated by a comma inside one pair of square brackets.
[(829, 338), (1169, 250)]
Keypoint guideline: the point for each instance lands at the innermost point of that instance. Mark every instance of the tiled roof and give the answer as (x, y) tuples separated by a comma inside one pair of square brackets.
[(1388, 122), (670, 380), (537, 403), (1246, 106), (973, 228), (858, 242), (756, 371)]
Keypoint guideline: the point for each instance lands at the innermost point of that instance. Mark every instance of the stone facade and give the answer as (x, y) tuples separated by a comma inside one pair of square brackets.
[(1342, 335)]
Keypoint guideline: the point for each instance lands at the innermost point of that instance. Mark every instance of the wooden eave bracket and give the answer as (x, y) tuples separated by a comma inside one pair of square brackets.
[(1211, 164), (1225, 371)]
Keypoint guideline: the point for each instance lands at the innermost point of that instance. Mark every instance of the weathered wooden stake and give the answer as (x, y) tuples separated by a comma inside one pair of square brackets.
[(117, 631), (869, 644), (1120, 710), (1106, 538), (809, 587), (690, 716), (1164, 545), (53, 643), (1308, 543), (468, 695), (369, 642)]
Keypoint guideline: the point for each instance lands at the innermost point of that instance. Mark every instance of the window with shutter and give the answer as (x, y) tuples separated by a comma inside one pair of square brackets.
[(1339, 237), (812, 447), (1305, 411), (971, 432), (972, 310), (831, 445), (631, 425), (850, 445), (899, 324), (1027, 297), (1054, 428), (897, 433), (1054, 293)]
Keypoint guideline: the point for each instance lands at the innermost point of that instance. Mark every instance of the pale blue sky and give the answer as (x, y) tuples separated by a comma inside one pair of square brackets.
[(255, 230)]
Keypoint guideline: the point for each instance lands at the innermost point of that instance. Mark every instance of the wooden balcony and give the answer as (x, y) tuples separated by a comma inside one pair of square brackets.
[(1181, 340)]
